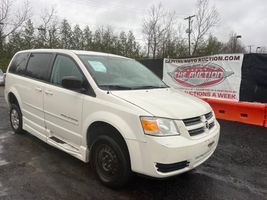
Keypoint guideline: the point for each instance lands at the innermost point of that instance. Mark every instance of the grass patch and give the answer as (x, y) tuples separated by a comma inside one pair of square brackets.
[(4, 63)]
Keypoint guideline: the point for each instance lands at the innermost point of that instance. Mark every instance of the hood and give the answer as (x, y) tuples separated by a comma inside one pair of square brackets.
[(167, 102)]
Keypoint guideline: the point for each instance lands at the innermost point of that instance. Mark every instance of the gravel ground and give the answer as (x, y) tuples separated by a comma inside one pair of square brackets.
[(31, 169)]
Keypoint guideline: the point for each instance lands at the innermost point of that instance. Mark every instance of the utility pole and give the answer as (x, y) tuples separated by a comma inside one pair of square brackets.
[(1, 40), (235, 42), (250, 46), (189, 31)]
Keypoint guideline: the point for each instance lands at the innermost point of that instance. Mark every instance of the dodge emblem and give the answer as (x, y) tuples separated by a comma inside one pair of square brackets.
[(207, 124)]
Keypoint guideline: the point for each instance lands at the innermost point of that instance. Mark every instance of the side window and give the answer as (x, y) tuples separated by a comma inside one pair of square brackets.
[(39, 66), (64, 66), (18, 64)]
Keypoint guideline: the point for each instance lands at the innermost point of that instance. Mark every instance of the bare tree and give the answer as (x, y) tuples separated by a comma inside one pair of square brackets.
[(233, 45), (48, 29), (157, 26), (10, 19), (206, 18)]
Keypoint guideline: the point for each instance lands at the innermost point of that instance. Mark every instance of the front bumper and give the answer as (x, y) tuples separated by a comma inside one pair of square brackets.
[(162, 157)]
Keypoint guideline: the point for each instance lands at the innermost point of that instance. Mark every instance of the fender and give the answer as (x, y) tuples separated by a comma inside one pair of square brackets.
[(129, 133), (15, 92), (114, 120)]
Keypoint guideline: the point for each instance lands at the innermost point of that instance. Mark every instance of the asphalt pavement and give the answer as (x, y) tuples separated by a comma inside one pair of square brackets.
[(31, 169)]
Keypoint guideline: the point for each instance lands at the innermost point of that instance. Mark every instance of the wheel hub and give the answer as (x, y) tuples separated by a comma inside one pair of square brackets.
[(108, 160), (15, 119)]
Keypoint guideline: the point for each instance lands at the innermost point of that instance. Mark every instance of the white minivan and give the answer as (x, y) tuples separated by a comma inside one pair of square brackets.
[(110, 110)]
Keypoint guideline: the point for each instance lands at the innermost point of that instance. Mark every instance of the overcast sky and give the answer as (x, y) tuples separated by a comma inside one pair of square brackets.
[(247, 18)]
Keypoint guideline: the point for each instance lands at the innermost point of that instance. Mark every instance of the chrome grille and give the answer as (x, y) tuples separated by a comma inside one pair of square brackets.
[(198, 125), (211, 125), (192, 121), (196, 131), (208, 115)]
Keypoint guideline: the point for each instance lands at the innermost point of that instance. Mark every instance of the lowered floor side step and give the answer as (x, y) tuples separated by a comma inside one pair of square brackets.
[(62, 144), (57, 140)]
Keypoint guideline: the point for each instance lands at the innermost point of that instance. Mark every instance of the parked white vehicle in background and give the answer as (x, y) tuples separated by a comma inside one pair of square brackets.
[(2, 78), (110, 110)]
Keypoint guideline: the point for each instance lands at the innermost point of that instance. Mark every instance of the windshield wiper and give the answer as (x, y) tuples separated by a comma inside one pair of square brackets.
[(115, 87), (150, 87)]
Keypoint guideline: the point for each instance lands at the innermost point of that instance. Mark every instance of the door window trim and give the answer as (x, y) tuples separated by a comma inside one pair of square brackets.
[(90, 90), (26, 64), (50, 65)]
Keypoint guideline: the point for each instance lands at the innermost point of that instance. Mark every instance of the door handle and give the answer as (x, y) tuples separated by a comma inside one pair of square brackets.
[(49, 92), (38, 89)]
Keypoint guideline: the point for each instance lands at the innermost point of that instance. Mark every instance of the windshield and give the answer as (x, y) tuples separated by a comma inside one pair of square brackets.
[(1, 73), (115, 73)]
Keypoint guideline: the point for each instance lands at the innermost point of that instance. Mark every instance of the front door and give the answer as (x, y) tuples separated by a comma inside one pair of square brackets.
[(63, 107)]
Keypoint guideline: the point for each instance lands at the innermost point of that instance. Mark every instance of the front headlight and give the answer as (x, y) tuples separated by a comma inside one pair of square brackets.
[(159, 126)]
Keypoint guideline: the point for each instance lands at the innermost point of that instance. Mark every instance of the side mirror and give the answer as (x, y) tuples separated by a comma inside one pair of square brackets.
[(73, 83)]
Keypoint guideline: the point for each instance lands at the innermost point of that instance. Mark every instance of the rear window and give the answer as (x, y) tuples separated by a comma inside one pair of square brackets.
[(18, 64), (39, 66)]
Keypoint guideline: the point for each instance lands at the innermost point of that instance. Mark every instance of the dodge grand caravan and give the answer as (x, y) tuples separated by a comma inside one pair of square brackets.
[(110, 110)]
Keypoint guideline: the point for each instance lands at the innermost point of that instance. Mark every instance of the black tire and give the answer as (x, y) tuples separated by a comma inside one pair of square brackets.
[(111, 162), (15, 117)]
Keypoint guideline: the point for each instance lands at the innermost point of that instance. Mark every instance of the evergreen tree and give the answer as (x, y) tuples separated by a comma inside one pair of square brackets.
[(78, 39), (122, 44), (107, 40), (54, 40), (98, 39), (15, 44), (41, 37), (65, 35), (131, 45), (87, 38), (28, 35)]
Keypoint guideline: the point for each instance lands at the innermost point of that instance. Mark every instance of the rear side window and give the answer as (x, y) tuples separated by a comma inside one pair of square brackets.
[(39, 66), (18, 64)]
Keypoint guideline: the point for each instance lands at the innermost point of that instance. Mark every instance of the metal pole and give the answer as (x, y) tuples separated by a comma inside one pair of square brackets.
[(235, 42), (250, 46), (1, 39), (189, 32)]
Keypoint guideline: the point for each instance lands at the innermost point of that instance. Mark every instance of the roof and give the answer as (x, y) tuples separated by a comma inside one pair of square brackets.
[(78, 52)]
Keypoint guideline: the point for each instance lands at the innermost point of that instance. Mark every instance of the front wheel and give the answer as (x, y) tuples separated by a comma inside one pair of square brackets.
[(111, 162), (16, 118)]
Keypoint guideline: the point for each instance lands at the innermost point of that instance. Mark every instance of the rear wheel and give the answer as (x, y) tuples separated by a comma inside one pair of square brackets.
[(111, 162), (16, 118)]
